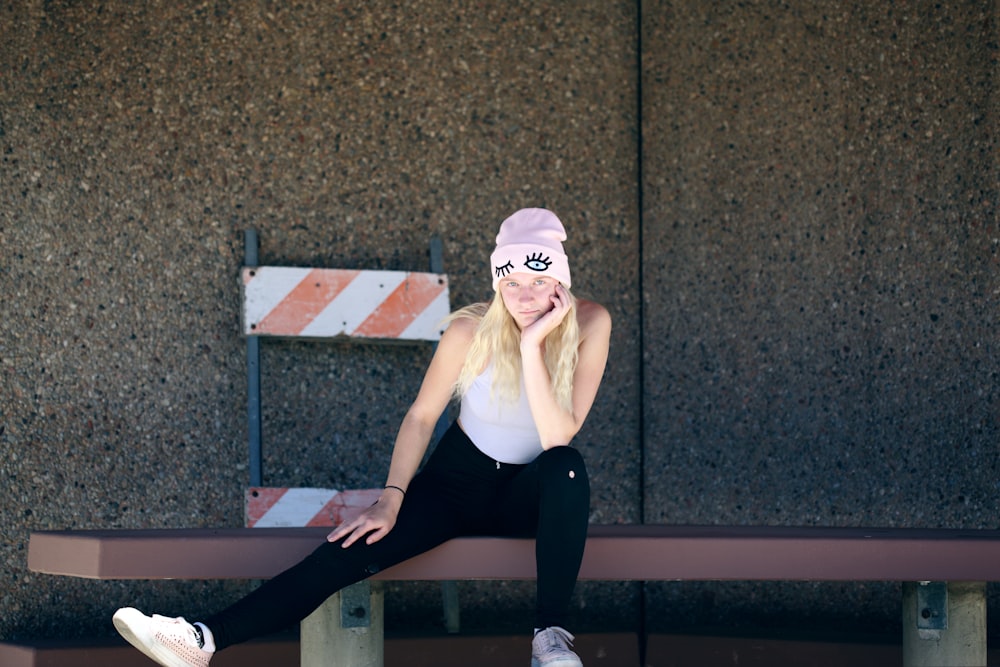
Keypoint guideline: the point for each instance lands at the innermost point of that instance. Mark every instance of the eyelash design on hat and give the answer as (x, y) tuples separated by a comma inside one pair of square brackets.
[(536, 262), (504, 270)]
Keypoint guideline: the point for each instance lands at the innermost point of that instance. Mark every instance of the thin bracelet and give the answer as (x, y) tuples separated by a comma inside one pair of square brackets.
[(393, 486)]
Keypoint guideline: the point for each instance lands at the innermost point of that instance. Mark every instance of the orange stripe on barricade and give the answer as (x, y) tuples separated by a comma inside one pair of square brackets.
[(345, 506), (259, 500), (396, 312), (305, 302)]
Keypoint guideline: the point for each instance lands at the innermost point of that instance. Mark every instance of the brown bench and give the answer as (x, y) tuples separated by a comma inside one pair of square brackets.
[(933, 614), (619, 552)]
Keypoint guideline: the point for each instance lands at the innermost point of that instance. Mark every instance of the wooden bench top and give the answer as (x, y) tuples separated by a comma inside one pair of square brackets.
[(618, 552)]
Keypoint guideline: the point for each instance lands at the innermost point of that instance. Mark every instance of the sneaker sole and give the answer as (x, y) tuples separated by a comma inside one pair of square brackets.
[(132, 624), (557, 663)]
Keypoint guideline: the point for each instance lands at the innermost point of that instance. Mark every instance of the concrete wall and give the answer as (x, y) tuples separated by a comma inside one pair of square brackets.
[(820, 279), (790, 212)]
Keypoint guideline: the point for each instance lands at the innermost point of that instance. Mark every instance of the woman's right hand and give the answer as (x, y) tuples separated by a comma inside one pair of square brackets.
[(375, 522), (535, 333)]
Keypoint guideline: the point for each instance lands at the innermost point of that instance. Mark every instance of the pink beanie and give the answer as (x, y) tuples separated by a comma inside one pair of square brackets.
[(530, 241)]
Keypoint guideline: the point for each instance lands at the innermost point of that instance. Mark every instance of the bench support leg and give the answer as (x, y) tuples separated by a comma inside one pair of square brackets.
[(944, 625), (452, 611), (326, 642)]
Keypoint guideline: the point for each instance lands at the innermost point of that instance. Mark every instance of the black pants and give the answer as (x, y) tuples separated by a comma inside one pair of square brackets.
[(460, 491)]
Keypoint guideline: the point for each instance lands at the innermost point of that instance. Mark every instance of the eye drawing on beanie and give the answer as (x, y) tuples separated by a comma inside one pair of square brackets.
[(505, 269), (536, 262)]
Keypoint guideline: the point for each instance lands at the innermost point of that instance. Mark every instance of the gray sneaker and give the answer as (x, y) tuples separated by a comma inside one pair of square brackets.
[(171, 642), (551, 648)]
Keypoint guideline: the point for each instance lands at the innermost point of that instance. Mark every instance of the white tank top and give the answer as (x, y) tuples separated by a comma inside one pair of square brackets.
[(503, 431)]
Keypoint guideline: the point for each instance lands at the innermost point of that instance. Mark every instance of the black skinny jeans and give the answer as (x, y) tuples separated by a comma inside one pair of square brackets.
[(460, 491)]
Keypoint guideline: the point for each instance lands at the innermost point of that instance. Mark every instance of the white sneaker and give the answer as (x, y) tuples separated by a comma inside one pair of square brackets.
[(550, 648), (171, 642)]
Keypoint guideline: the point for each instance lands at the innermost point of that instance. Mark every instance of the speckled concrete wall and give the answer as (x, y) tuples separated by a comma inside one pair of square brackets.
[(818, 242), (820, 253)]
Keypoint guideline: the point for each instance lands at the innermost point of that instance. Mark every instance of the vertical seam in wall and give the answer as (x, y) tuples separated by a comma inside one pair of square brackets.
[(641, 314), (642, 299)]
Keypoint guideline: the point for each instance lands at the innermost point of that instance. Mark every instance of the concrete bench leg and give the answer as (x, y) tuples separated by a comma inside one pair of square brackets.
[(452, 611), (944, 625), (347, 630)]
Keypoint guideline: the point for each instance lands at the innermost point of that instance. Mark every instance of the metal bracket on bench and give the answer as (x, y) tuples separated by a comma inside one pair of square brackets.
[(355, 605), (932, 605)]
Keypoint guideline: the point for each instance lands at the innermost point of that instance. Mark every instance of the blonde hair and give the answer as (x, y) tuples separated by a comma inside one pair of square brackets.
[(497, 339)]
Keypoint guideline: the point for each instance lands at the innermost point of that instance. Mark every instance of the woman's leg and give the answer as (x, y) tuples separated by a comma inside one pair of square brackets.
[(279, 603), (454, 485), (550, 500)]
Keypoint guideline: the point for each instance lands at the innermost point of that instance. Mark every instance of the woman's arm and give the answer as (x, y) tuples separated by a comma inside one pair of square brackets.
[(413, 436), (557, 426)]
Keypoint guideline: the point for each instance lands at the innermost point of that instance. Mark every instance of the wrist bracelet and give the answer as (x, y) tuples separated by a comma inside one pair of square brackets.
[(393, 486)]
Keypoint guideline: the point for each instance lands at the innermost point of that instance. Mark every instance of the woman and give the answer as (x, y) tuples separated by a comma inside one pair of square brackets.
[(526, 368)]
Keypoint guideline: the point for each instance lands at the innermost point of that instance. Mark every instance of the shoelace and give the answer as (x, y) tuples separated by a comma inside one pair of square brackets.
[(556, 639), (199, 638)]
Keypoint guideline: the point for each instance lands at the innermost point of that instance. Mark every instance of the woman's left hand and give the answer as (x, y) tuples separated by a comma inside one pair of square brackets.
[(535, 333)]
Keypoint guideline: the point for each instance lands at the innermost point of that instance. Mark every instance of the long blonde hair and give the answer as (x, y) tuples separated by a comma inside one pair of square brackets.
[(497, 339)]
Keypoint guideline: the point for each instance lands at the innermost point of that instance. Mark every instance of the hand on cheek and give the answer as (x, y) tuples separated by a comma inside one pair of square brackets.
[(547, 323)]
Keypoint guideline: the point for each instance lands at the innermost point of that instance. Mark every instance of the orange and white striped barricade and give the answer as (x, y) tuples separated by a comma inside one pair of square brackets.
[(274, 507), (311, 303), (317, 304), (333, 303)]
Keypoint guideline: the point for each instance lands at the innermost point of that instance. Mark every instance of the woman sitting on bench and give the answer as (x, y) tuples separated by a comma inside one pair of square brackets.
[(526, 368)]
